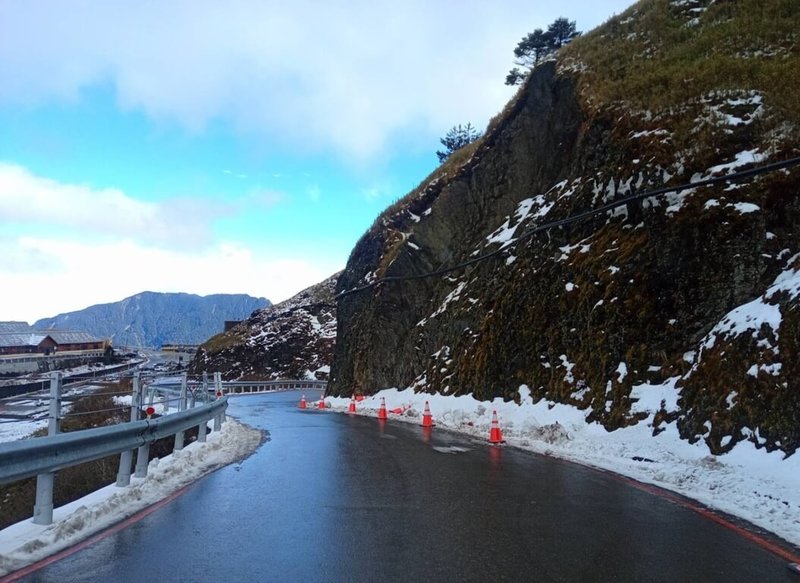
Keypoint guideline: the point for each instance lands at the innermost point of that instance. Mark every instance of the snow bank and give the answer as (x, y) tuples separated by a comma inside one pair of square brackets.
[(760, 487), (25, 543)]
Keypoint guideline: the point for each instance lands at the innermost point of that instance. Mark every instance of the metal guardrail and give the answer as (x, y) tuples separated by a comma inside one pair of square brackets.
[(44, 456), (31, 457), (244, 387), (12, 390)]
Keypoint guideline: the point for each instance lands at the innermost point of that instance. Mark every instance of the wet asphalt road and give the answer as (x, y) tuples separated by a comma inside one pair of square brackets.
[(336, 498)]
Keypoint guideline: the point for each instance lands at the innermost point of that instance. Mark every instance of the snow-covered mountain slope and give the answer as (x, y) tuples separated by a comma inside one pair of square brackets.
[(290, 340)]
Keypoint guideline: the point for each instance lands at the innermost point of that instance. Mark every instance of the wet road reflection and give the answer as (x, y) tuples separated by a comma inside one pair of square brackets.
[(331, 497)]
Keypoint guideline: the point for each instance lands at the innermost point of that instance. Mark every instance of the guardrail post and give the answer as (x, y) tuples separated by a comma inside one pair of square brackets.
[(54, 414), (205, 387), (43, 507), (143, 453), (218, 419), (126, 457), (181, 406), (203, 427)]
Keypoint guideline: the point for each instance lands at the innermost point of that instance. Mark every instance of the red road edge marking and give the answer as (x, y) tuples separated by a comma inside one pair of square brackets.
[(25, 571), (711, 515)]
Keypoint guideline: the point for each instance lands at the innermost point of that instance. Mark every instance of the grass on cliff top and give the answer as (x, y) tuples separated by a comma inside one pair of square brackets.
[(660, 54)]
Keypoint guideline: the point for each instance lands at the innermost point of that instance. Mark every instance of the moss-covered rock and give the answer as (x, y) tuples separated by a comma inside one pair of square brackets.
[(583, 313)]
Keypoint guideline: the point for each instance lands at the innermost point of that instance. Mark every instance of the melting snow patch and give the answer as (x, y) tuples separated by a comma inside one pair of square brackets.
[(770, 369), (642, 134), (622, 371), (505, 233), (581, 391), (788, 281), (569, 366), (566, 250), (746, 207), (742, 159), (649, 397), (451, 297), (676, 200), (753, 315), (749, 317)]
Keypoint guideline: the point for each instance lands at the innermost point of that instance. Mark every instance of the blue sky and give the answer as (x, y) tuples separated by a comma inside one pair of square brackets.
[(195, 147)]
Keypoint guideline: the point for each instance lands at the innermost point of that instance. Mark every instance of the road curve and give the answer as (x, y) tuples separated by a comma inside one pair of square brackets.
[(330, 497)]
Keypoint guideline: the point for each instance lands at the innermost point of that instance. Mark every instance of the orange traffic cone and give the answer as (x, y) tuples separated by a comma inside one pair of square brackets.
[(303, 402), (427, 418), (321, 404), (495, 435), (352, 407), (382, 411)]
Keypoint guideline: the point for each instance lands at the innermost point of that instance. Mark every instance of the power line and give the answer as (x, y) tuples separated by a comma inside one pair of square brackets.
[(734, 177)]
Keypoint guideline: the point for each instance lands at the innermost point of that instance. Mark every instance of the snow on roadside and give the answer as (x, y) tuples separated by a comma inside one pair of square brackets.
[(25, 543), (760, 487), (12, 430)]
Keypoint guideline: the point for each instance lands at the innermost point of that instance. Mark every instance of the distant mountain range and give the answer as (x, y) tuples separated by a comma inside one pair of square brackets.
[(150, 319)]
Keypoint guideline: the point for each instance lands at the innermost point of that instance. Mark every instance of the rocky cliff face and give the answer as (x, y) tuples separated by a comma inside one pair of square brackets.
[(693, 295), (291, 340), (150, 319)]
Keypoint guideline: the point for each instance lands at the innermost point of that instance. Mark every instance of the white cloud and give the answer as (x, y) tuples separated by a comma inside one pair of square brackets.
[(28, 199), (103, 245), (309, 74), (74, 275)]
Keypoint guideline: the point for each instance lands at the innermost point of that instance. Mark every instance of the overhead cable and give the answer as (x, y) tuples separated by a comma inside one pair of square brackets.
[(733, 177)]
